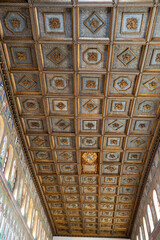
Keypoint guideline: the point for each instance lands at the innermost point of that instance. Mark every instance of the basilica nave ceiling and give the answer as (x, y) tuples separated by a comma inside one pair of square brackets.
[(84, 86)]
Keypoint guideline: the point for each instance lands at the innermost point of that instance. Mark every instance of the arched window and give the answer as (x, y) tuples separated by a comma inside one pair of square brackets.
[(32, 220), (24, 199), (4, 147), (37, 232), (13, 172), (35, 224), (1, 129), (8, 162), (145, 229), (20, 191), (27, 205), (29, 218), (156, 204), (5, 161), (15, 190), (40, 227), (140, 232), (150, 218)]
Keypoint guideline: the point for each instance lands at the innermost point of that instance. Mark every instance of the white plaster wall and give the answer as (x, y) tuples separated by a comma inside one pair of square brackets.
[(87, 238)]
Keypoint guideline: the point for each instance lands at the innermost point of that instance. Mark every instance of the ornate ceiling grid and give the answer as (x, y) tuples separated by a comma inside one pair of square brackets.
[(86, 84)]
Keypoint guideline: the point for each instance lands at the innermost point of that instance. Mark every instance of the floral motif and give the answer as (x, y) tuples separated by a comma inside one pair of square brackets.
[(91, 84), (116, 125), (142, 125), (147, 107), (113, 141), (131, 168), (110, 168), (21, 56), (57, 57), (90, 106), (132, 23), (118, 106), (110, 180), (89, 141), (94, 23), (64, 141), (92, 56), (69, 179), (35, 124), (62, 124), (129, 180), (15, 23), (90, 125), (126, 57), (61, 105), (54, 23), (134, 156), (27, 83), (122, 84), (59, 83), (152, 84), (31, 105)]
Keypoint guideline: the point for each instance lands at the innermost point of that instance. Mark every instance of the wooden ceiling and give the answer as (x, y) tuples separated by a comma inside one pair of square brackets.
[(85, 84)]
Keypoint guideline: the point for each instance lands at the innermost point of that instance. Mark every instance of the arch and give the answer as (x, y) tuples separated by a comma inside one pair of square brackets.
[(150, 218), (14, 181), (1, 129), (140, 232), (8, 162), (156, 204), (32, 220), (20, 191), (27, 205), (16, 185), (4, 146), (145, 229), (24, 198), (35, 224), (39, 232), (13, 172), (29, 217)]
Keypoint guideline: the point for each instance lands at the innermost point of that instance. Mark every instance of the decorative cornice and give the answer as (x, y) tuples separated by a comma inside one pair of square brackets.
[(19, 130)]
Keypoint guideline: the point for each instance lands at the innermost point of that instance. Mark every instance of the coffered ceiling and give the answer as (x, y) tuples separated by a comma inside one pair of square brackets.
[(85, 82)]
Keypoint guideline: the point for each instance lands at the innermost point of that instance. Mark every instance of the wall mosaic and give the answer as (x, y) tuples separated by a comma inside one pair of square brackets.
[(20, 177), (11, 225), (147, 199)]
